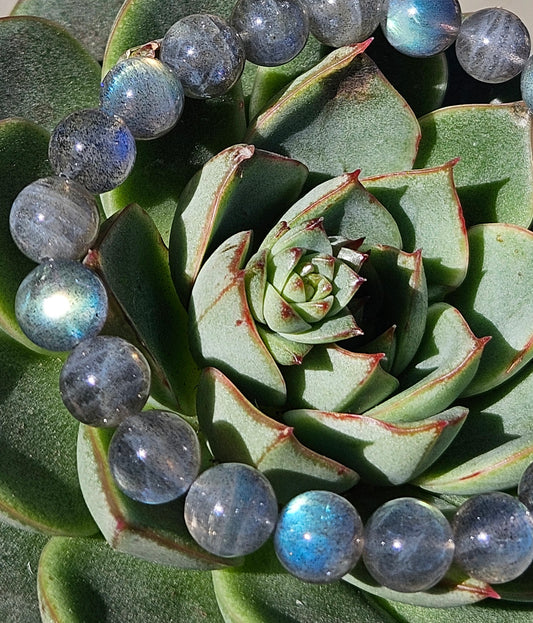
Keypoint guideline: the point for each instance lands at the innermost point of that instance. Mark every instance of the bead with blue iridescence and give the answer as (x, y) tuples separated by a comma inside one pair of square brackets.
[(60, 303), (343, 22), (319, 536), (206, 54), (273, 32), (54, 218), (231, 509), (526, 84), (94, 148), (408, 545), (154, 456), (421, 28), (493, 45), (525, 487), (104, 380), (144, 92), (493, 534)]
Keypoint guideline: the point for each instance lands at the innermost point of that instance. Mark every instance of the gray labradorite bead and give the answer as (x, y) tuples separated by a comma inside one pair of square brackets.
[(104, 380), (493, 45), (60, 303), (54, 218), (231, 509), (408, 545), (206, 54), (493, 535), (525, 487), (144, 92), (273, 31), (154, 456), (343, 22), (94, 148), (526, 84)]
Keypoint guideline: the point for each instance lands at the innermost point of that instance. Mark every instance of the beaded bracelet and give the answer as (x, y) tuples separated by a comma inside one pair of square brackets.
[(154, 456)]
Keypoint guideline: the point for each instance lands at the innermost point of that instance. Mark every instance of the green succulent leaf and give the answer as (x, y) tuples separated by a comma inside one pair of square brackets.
[(346, 107), (85, 581), (47, 74), (520, 589), (495, 171), (238, 431)]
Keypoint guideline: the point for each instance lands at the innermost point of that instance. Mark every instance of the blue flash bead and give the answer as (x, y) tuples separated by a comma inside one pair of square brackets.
[(144, 92), (319, 536), (54, 218), (408, 545), (343, 22), (421, 28), (206, 54), (94, 148), (493, 45), (154, 456), (60, 304), (493, 535), (273, 31), (526, 84), (231, 509), (104, 380), (525, 487)]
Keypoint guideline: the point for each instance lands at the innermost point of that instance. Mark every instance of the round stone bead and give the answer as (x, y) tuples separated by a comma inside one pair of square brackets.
[(104, 380), (493, 45), (231, 509), (60, 303), (145, 93), (154, 456), (525, 487), (493, 535), (54, 218), (343, 22), (421, 28), (94, 148), (273, 31), (206, 54), (319, 536), (408, 545), (526, 84)]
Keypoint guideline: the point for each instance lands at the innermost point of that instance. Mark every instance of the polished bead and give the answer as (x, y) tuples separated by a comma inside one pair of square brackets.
[(231, 509), (94, 148), (54, 218), (493, 45), (104, 380), (144, 92), (319, 536), (60, 303), (408, 545), (525, 487), (154, 456), (526, 84), (206, 54), (343, 22), (493, 535), (421, 28), (273, 31)]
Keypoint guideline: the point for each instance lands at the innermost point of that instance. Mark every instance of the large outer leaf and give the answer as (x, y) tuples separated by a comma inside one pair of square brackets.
[(45, 73)]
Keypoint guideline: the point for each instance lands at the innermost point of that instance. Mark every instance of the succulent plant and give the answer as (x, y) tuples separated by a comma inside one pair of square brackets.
[(330, 276)]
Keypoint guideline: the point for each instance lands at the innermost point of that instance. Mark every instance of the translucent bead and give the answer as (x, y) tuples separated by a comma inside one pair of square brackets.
[(526, 84), (525, 487), (408, 545), (104, 380), (144, 92), (493, 535), (421, 28), (60, 304), (154, 456), (231, 509), (54, 218), (273, 31), (493, 45), (319, 536), (93, 148), (343, 22), (206, 54)]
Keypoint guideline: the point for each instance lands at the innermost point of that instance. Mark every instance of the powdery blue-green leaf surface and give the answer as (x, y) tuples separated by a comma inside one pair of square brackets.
[(85, 581), (45, 72), (495, 171)]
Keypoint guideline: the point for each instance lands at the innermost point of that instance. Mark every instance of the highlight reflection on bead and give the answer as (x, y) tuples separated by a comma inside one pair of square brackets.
[(61, 303)]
